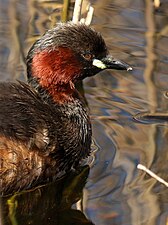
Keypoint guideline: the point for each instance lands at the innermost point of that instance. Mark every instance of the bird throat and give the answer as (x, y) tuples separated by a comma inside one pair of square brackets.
[(56, 72)]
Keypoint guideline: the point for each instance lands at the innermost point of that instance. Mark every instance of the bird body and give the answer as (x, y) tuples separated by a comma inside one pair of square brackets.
[(34, 144), (45, 129)]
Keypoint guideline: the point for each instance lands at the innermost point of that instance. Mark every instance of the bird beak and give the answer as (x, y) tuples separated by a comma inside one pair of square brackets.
[(111, 63)]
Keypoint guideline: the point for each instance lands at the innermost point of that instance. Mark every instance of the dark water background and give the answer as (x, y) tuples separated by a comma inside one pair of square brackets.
[(116, 192)]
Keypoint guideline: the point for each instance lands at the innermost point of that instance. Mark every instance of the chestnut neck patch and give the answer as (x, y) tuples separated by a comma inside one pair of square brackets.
[(56, 72)]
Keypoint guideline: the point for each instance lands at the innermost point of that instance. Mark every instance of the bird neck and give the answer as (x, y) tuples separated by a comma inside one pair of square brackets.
[(56, 71), (58, 94)]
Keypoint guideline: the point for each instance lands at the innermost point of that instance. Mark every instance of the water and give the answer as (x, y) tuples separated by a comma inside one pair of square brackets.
[(116, 192)]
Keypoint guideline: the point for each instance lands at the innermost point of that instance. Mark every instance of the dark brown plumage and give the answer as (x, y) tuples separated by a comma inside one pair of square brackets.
[(44, 126)]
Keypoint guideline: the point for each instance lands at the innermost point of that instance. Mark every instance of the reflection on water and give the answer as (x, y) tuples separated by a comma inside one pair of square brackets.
[(116, 192), (45, 206)]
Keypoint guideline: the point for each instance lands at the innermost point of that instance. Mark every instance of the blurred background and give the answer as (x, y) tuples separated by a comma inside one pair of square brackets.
[(128, 110)]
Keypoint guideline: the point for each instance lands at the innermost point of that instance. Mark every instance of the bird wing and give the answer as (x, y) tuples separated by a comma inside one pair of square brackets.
[(24, 117), (25, 145)]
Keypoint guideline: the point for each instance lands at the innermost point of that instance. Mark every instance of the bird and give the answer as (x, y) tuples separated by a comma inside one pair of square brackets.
[(45, 129)]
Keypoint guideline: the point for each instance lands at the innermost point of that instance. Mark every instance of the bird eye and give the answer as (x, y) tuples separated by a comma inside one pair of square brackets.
[(87, 56)]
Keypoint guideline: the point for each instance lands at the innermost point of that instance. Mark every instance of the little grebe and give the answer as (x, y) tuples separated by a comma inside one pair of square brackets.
[(44, 126)]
